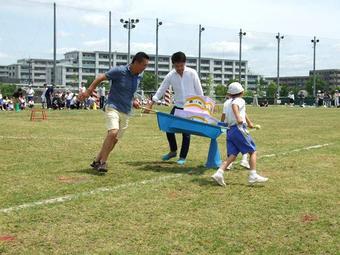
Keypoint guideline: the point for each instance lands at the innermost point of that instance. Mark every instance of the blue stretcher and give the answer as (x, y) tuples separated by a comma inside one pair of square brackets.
[(173, 124)]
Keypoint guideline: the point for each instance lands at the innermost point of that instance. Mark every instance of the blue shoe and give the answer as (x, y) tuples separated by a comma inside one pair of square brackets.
[(181, 161), (169, 155)]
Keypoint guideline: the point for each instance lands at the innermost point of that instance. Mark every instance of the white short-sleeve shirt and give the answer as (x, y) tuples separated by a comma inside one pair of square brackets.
[(228, 111), (183, 86)]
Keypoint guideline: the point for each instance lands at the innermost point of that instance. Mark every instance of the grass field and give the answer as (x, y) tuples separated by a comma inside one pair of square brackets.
[(154, 207)]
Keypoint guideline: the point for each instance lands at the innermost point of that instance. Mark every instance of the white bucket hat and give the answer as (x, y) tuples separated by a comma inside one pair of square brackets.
[(235, 88)]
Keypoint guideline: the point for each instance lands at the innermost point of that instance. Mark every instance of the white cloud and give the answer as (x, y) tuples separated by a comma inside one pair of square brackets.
[(96, 43), (102, 44), (90, 4), (63, 34), (224, 47), (335, 46), (146, 47), (95, 19), (3, 55), (295, 62), (62, 50)]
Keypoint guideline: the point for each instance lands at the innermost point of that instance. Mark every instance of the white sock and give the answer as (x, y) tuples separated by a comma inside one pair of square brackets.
[(220, 171), (252, 172), (244, 157)]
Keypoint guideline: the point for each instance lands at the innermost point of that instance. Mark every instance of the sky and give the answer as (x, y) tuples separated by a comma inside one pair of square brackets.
[(27, 30)]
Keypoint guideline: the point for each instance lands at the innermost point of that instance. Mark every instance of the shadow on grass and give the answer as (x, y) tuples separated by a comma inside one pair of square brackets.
[(167, 166)]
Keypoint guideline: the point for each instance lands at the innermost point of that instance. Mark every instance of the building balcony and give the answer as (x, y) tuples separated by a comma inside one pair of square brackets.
[(92, 58), (88, 66)]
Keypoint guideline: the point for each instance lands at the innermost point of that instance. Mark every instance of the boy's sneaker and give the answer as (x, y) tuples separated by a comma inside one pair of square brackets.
[(181, 161), (169, 155), (95, 164), (102, 167), (217, 177), (255, 178), (245, 164)]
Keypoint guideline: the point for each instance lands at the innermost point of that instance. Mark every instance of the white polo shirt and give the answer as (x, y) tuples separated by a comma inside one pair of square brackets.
[(183, 86)]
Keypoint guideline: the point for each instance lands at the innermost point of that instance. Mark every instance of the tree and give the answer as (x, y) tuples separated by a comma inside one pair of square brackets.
[(248, 93), (75, 79), (89, 80), (209, 86), (149, 82), (220, 90), (261, 87), (284, 90), (319, 85), (231, 81), (272, 89)]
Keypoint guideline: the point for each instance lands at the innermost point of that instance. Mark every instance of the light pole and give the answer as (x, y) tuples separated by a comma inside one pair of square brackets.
[(110, 39), (158, 23), (30, 72), (279, 38), (200, 30), (241, 34), (54, 44), (129, 24), (314, 41)]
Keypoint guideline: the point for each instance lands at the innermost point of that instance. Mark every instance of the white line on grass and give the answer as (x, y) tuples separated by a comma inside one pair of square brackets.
[(50, 138), (87, 193), (57, 138), (155, 180)]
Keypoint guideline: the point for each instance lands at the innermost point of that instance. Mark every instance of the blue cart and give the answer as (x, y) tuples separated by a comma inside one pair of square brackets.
[(173, 124)]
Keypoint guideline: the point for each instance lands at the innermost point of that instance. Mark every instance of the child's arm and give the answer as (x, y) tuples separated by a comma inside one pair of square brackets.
[(249, 122), (237, 113), (222, 117)]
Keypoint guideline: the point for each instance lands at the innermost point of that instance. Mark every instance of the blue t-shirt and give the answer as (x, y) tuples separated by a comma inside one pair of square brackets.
[(123, 87)]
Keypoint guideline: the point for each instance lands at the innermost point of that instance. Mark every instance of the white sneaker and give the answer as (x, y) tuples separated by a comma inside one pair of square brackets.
[(245, 164), (230, 166), (217, 177), (257, 178)]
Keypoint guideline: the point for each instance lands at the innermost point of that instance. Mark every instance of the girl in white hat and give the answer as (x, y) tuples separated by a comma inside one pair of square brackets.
[(238, 138)]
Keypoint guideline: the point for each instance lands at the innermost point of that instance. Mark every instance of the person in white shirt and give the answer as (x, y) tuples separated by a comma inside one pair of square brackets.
[(69, 96), (43, 97), (336, 99), (1, 102), (238, 138), (291, 97), (185, 82), (101, 92), (30, 93), (244, 161)]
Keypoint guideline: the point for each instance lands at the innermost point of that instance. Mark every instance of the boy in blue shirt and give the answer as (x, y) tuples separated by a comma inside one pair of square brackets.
[(238, 138)]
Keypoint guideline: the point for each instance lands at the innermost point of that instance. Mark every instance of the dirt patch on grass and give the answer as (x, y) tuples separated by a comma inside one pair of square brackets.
[(309, 218), (7, 238), (70, 179)]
